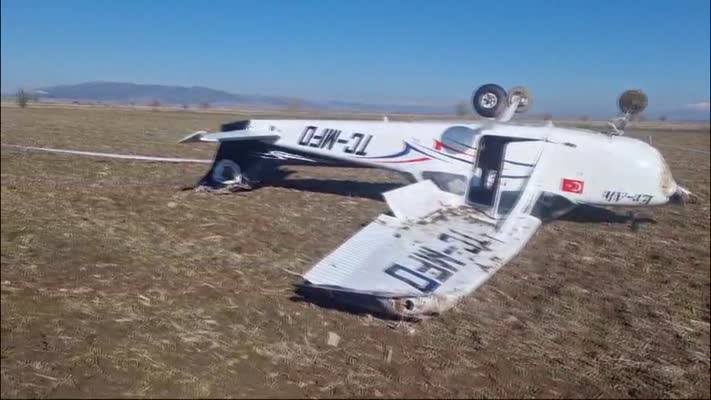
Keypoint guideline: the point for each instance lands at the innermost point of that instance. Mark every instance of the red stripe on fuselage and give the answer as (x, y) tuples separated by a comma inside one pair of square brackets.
[(407, 161)]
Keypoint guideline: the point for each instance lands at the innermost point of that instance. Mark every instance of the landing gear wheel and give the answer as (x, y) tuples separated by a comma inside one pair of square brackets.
[(525, 96), (227, 172), (226, 177), (490, 100), (632, 102)]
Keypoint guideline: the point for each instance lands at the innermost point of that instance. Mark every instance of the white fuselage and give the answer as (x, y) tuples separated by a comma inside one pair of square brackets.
[(584, 166)]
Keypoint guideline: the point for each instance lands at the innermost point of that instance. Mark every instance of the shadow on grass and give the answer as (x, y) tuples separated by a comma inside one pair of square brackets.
[(352, 303), (588, 214), (348, 188)]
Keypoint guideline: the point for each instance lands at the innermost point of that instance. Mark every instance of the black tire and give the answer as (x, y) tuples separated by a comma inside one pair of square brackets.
[(226, 172), (632, 102), (490, 100)]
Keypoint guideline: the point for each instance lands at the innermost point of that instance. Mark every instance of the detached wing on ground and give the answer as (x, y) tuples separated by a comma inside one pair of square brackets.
[(422, 261)]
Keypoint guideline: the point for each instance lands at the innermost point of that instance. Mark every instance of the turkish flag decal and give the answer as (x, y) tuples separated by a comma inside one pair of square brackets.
[(573, 186)]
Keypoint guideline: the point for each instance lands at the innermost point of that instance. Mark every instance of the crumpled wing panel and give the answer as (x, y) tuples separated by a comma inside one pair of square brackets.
[(422, 266)]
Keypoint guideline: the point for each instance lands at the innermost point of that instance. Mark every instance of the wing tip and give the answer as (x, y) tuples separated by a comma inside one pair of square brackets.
[(193, 137)]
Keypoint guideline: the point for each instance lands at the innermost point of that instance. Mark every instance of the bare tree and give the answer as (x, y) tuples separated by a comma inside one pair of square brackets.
[(547, 117), (205, 105), (663, 118), (154, 104), (22, 98), (186, 106), (461, 108)]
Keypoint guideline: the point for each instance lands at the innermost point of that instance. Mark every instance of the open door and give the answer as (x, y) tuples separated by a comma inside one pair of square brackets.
[(501, 172), (520, 158)]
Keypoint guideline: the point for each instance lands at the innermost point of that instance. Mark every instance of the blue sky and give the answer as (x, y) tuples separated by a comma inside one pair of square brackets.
[(575, 56)]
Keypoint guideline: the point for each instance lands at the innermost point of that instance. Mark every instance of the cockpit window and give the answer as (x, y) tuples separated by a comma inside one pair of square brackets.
[(507, 201), (459, 139)]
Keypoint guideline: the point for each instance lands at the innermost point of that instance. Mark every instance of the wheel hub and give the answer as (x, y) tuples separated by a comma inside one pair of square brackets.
[(489, 100)]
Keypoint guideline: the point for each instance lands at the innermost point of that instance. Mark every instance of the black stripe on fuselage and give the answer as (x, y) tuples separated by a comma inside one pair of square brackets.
[(520, 163), (318, 160), (515, 176)]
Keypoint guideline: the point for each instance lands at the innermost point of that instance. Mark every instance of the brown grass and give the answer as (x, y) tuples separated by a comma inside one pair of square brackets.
[(115, 282)]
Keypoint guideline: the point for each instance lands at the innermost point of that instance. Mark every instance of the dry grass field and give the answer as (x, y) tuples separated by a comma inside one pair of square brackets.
[(117, 282)]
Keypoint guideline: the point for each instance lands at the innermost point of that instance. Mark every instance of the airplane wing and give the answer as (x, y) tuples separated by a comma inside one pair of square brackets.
[(234, 131), (434, 251)]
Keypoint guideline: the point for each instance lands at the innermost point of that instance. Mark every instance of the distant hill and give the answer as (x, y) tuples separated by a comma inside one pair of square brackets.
[(120, 92), (133, 93), (126, 93)]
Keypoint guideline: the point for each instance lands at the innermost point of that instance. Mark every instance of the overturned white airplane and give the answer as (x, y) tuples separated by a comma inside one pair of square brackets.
[(479, 191)]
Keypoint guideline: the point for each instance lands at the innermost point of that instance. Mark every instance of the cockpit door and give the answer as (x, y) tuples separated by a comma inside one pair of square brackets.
[(519, 160), (501, 171)]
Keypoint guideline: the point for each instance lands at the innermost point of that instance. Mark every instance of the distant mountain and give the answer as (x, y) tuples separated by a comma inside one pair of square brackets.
[(120, 92), (125, 93)]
